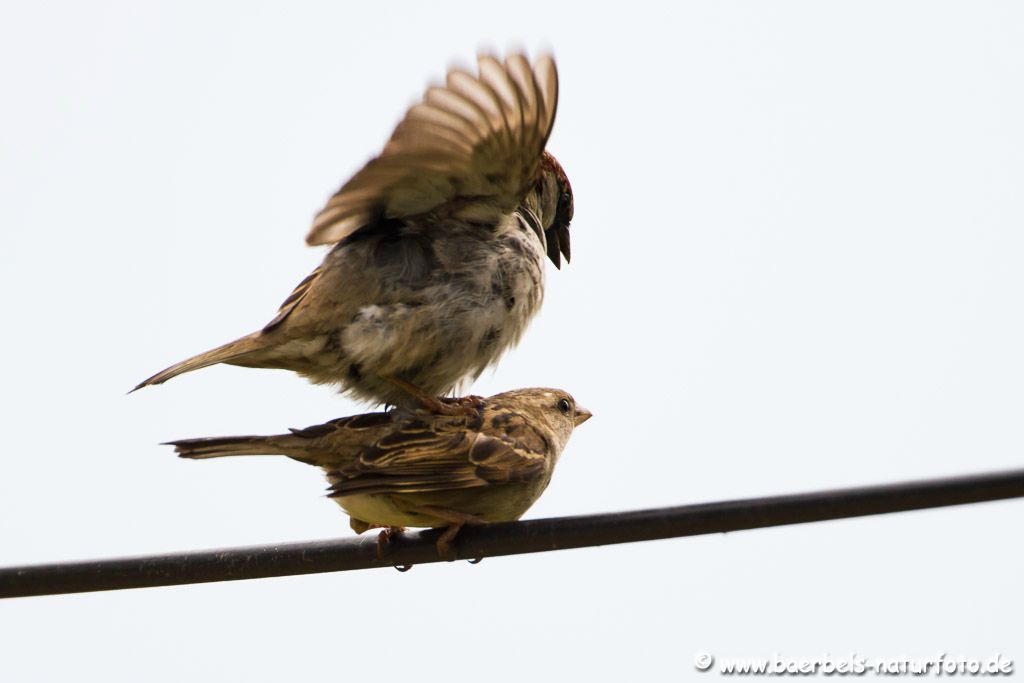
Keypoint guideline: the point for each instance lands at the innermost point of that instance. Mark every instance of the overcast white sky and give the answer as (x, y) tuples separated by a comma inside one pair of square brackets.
[(797, 265)]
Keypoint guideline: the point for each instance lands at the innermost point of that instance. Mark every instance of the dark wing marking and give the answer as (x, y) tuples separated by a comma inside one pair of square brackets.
[(423, 458), (371, 485), (292, 302), (499, 462), (353, 422)]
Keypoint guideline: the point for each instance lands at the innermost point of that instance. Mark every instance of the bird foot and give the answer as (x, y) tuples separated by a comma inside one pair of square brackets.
[(439, 405), (444, 542), (462, 405), (456, 520), (444, 407), (384, 538)]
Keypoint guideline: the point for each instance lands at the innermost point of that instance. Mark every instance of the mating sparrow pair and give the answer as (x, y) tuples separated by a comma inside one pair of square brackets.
[(437, 267)]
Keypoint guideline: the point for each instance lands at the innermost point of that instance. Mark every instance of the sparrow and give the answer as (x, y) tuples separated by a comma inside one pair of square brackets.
[(439, 245), (401, 468)]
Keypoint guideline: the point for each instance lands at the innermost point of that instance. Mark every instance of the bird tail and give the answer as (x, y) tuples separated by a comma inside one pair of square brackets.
[(216, 447), (230, 352)]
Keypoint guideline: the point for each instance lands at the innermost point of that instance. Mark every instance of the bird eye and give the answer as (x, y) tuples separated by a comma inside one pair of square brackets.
[(563, 406)]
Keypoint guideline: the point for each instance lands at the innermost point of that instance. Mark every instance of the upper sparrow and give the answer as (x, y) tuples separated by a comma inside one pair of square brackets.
[(438, 263), (401, 468)]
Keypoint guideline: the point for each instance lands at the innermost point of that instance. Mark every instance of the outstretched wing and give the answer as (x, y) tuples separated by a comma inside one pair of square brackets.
[(420, 459), (476, 141)]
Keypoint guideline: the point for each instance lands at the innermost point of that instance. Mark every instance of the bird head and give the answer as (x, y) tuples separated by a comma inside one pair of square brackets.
[(554, 195), (553, 411)]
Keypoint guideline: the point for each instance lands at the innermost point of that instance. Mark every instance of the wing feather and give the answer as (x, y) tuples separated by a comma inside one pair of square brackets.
[(478, 137), (421, 458), (293, 300)]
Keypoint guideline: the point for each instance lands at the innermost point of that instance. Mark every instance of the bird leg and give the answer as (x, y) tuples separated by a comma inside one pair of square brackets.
[(456, 521), (473, 403), (385, 536), (468, 405)]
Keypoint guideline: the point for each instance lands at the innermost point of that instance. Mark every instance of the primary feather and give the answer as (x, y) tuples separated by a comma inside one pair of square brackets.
[(479, 138)]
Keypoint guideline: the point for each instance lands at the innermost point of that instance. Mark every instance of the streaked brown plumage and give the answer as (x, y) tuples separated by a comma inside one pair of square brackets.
[(439, 244), (400, 468)]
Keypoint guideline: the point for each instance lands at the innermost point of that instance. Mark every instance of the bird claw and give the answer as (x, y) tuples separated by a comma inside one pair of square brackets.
[(462, 405), (439, 405), (445, 549), (444, 542), (384, 539)]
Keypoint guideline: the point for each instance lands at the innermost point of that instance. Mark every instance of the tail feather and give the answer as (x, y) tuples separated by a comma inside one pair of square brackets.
[(232, 351), (216, 447)]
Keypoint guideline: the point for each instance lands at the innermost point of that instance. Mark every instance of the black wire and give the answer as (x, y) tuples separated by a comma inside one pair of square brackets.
[(312, 557)]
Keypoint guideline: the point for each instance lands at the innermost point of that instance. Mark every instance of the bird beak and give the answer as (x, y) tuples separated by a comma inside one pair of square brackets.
[(558, 241), (582, 415)]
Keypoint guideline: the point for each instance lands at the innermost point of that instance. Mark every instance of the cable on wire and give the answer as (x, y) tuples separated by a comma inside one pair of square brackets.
[(513, 538)]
